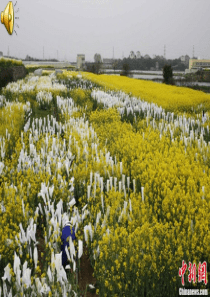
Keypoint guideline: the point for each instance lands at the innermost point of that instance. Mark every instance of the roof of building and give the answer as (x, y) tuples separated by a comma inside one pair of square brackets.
[(107, 60)]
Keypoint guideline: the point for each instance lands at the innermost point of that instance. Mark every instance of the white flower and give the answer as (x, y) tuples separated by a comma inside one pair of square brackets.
[(35, 256), (74, 265), (3, 209), (45, 289), (72, 202), (7, 274), (80, 244), (58, 261), (1, 167), (90, 231), (130, 205), (68, 267), (16, 265), (38, 284), (27, 277), (102, 202), (72, 249), (84, 207), (23, 208), (67, 253), (62, 274), (88, 190), (85, 233), (51, 189), (49, 273), (8, 242), (91, 286), (142, 193)]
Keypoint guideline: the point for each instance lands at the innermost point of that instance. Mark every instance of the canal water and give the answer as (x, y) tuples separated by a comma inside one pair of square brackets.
[(158, 77)]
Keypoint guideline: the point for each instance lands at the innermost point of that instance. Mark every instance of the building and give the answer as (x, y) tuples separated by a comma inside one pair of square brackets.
[(195, 64), (132, 55), (185, 60), (80, 61), (138, 55), (146, 57), (108, 63), (1, 54)]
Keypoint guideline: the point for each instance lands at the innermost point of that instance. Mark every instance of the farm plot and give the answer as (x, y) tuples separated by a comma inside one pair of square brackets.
[(131, 177)]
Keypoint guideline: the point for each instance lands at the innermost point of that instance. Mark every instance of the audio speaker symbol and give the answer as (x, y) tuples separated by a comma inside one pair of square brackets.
[(7, 17)]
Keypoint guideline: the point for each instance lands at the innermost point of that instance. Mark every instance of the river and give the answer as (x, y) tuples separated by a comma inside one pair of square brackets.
[(157, 76)]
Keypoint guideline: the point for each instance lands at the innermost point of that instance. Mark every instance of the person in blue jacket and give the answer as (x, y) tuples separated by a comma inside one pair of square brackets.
[(67, 231)]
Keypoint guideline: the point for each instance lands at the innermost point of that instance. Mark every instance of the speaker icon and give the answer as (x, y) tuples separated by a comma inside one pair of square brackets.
[(7, 17)]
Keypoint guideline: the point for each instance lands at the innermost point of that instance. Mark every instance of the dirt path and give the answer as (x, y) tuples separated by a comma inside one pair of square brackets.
[(85, 275)]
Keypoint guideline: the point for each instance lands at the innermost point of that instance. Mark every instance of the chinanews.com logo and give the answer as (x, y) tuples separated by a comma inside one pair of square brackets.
[(192, 277)]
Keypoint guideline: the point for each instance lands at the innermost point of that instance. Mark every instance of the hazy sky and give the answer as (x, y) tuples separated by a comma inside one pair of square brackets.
[(89, 26)]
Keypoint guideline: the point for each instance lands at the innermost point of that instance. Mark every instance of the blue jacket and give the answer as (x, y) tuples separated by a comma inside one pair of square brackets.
[(66, 232)]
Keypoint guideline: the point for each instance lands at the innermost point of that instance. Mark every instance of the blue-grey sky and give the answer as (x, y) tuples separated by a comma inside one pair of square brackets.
[(87, 27)]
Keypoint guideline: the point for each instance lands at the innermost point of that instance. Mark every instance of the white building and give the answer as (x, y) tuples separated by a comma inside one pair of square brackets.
[(108, 63), (185, 59), (138, 55), (80, 61), (132, 55)]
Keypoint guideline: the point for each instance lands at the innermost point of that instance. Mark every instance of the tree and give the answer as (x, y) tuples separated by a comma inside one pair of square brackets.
[(98, 63), (114, 65), (126, 68), (168, 74)]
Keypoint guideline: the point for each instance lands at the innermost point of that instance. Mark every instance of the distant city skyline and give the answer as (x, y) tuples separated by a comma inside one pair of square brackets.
[(67, 28)]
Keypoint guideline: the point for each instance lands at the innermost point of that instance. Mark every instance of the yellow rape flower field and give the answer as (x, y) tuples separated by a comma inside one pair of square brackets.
[(127, 163), (177, 99)]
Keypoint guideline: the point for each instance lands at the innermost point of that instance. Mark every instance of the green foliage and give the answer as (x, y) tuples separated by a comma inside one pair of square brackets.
[(32, 68), (4, 63), (126, 68), (6, 76), (168, 74), (147, 64)]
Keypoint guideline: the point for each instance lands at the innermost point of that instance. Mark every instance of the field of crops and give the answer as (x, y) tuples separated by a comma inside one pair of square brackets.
[(127, 162)]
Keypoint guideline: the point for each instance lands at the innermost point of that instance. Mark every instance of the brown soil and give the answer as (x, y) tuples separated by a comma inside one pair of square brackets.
[(85, 276)]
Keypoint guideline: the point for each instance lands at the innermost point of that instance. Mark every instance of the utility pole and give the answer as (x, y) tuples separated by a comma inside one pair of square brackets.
[(193, 52)]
